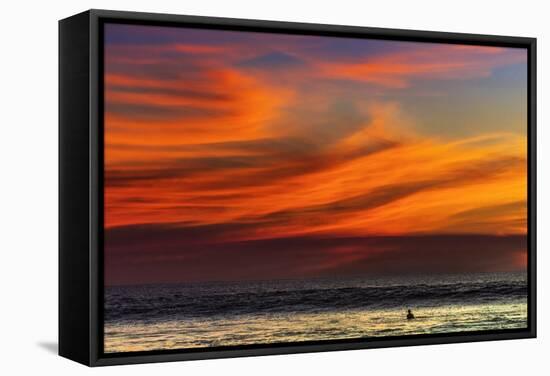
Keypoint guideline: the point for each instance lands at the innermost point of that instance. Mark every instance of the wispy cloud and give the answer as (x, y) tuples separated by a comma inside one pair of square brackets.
[(253, 140)]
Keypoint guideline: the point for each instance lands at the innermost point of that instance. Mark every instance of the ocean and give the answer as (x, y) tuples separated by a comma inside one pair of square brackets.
[(212, 314)]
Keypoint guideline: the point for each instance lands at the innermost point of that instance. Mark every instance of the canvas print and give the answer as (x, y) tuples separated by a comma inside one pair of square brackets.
[(270, 188)]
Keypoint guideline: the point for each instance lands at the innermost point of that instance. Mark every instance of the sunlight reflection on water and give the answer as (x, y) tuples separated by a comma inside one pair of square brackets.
[(297, 327)]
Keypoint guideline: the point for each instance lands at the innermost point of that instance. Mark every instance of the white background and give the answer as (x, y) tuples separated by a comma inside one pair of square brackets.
[(28, 186)]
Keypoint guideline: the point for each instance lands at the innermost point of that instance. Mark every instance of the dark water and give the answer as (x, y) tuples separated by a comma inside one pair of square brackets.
[(162, 302), (213, 314)]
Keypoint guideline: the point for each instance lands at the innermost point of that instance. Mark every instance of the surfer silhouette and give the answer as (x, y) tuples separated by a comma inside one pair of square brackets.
[(410, 315)]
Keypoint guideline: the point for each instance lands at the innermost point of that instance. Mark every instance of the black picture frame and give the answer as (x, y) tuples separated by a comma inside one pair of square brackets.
[(81, 185)]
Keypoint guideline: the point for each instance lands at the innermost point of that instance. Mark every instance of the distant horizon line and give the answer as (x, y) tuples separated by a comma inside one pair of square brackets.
[(356, 276)]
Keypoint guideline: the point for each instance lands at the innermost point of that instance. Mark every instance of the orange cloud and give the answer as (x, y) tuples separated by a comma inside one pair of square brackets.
[(140, 124), (372, 182), (396, 70), (247, 144)]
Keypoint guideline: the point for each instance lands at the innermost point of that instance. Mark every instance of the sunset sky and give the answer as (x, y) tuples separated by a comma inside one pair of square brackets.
[(236, 156)]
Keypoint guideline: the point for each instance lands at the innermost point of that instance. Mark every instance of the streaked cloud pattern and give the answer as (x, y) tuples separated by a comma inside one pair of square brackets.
[(233, 155)]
